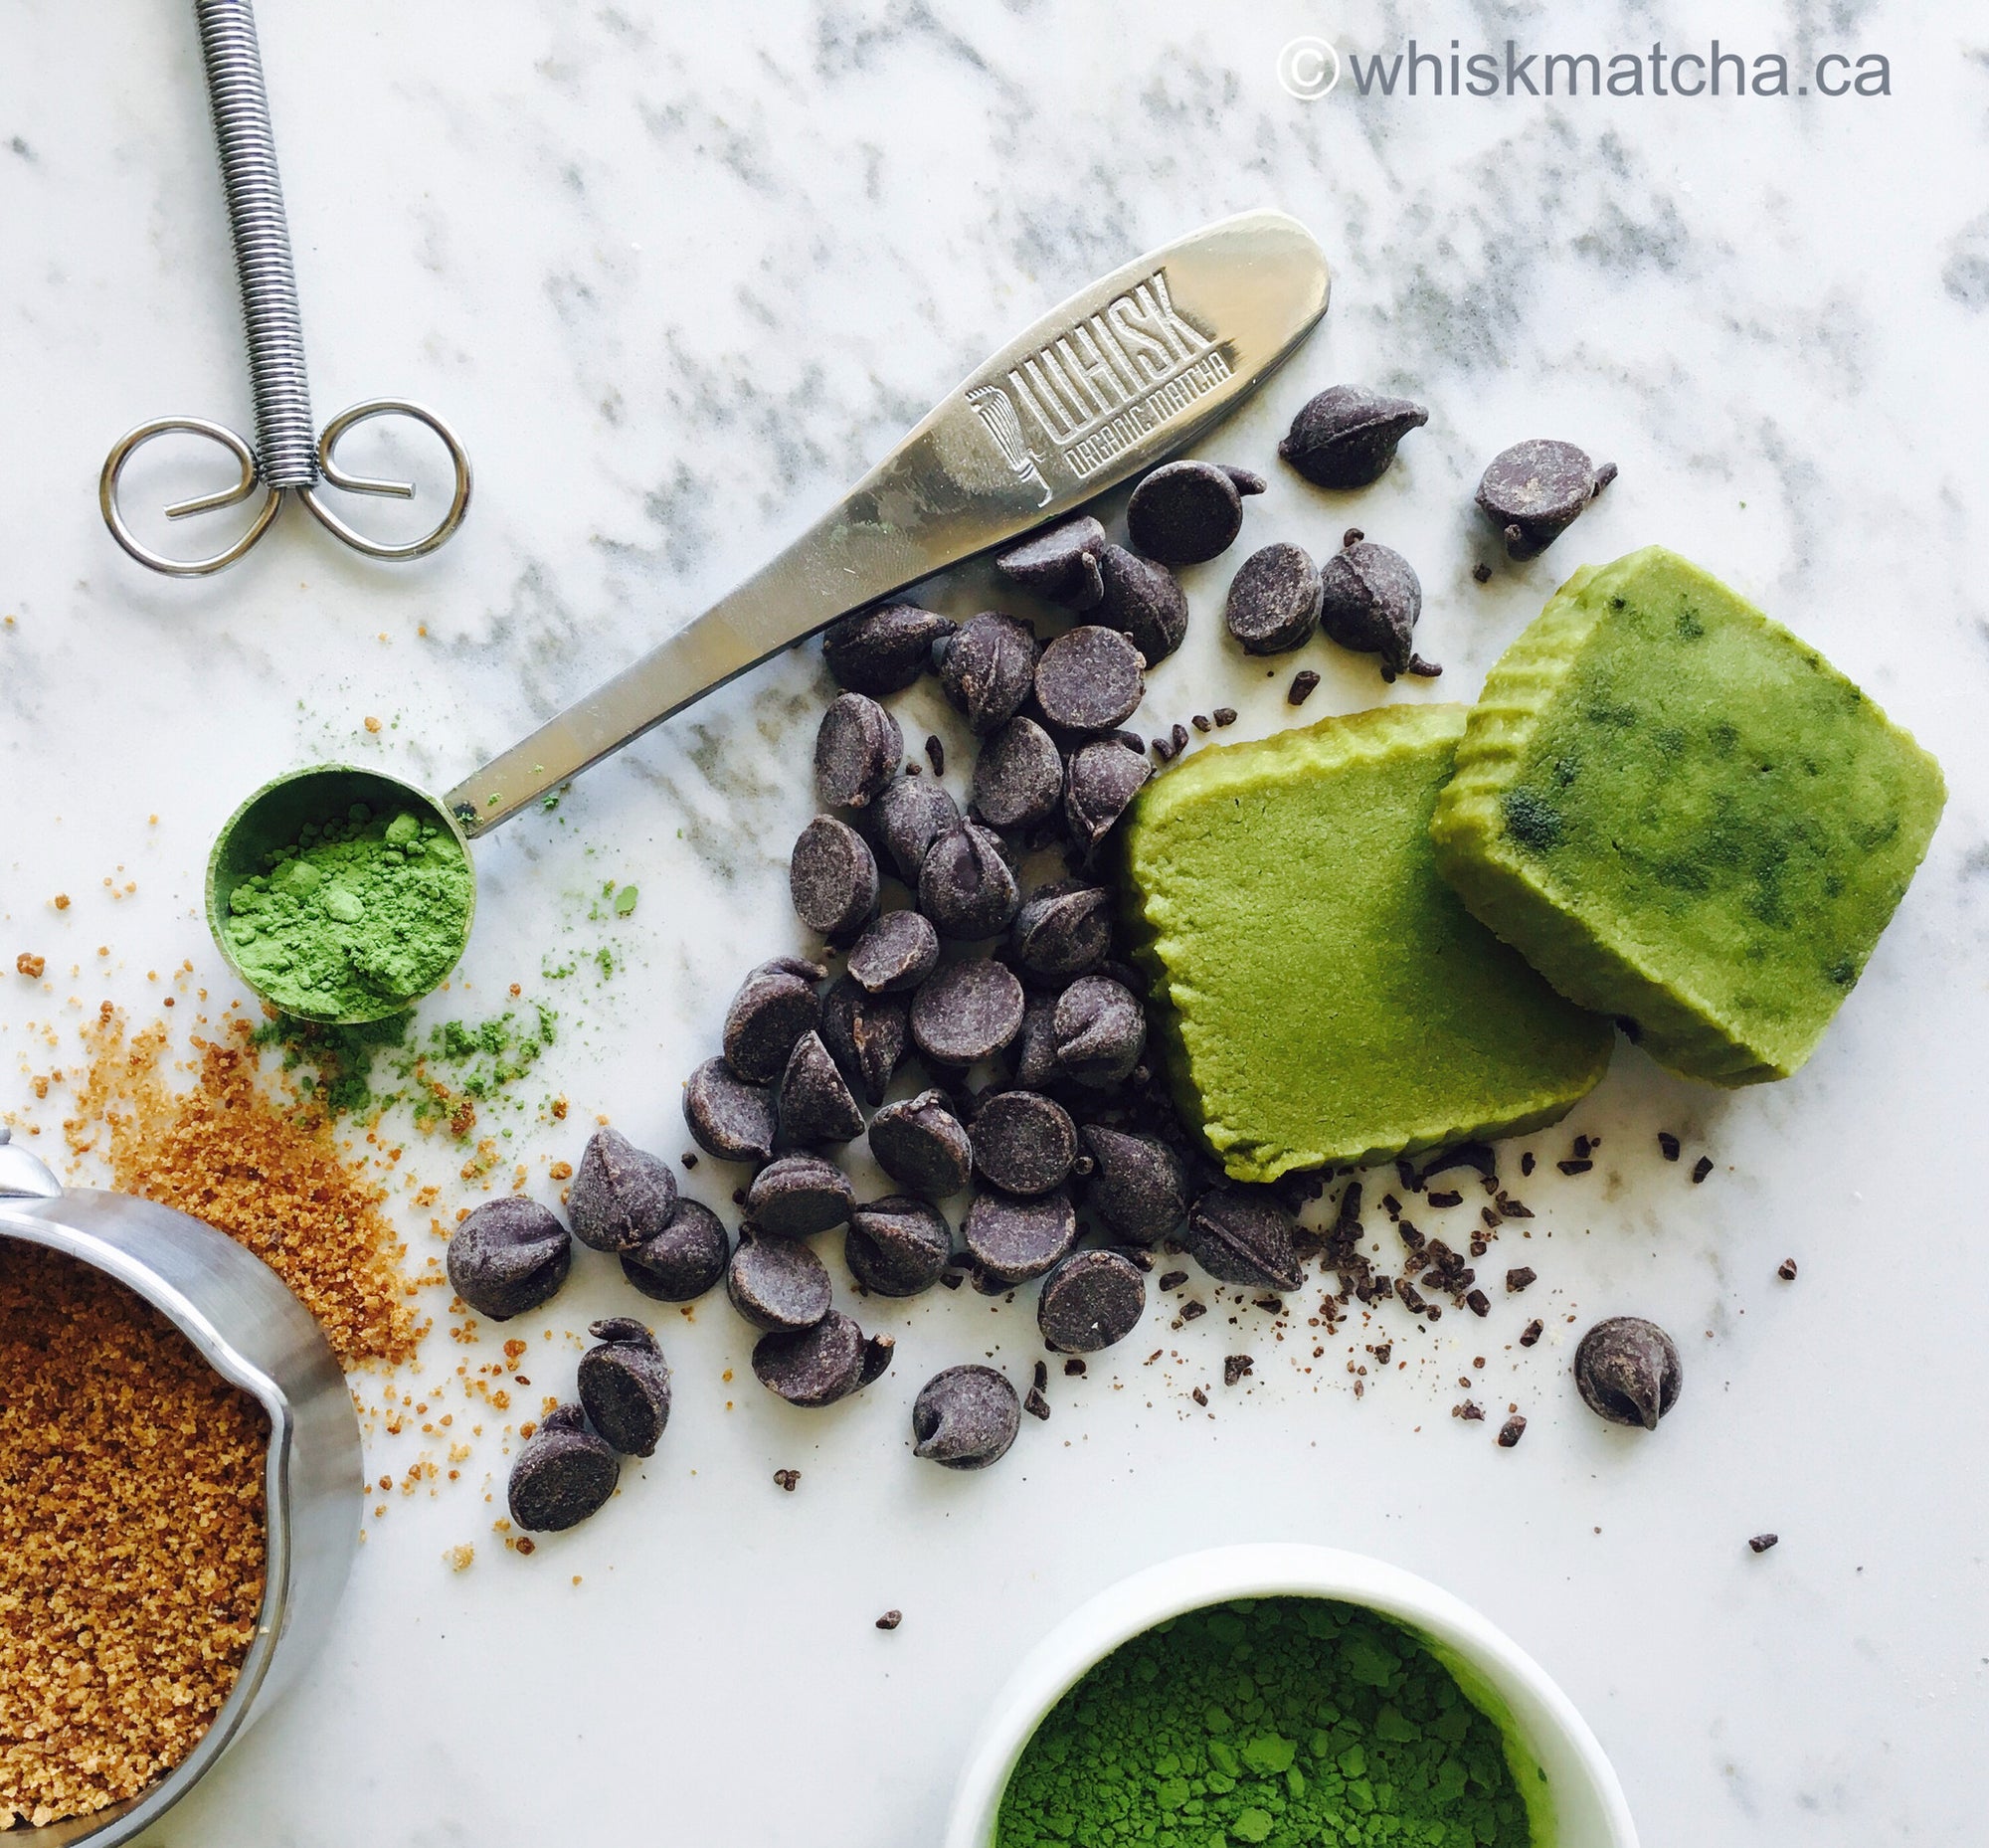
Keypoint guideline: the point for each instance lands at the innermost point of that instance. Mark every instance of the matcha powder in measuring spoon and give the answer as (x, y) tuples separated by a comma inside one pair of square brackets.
[(1280, 1723), (360, 916)]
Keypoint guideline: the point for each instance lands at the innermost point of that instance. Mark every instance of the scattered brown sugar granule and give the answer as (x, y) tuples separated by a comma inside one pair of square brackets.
[(61, 901), (131, 1539), (1762, 1542), (1700, 1169), (1512, 1432), (1787, 1270), (262, 1167), (29, 965)]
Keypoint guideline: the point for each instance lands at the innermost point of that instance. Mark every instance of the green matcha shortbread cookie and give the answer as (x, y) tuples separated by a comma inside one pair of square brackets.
[(1685, 817), (1324, 997)]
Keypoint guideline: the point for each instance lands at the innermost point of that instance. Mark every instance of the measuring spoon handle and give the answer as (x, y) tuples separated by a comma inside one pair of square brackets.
[(1120, 376)]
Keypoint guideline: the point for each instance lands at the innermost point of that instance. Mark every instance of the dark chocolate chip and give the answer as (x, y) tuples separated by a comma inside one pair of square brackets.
[(1063, 930), (1145, 602), (897, 1246), (1090, 678), (1347, 435), (857, 750), (1059, 563), (1369, 600), (1244, 1237), (964, 1417), (1139, 1186), (684, 1259), (778, 1283), (727, 1118), (563, 1474), (1627, 1370), (966, 886), (986, 667), (509, 1257), (1033, 1051), (819, 1366), (832, 877), (1017, 775), (1101, 1031), (815, 1102), (776, 1005), (1024, 1143), (1183, 512), (922, 1145), (866, 1035), (882, 650), (1273, 604), (908, 815), (966, 1011), (1012, 1240), (897, 951), (1090, 1301), (621, 1195), (1533, 491), (1099, 784), (799, 1196), (624, 1385)]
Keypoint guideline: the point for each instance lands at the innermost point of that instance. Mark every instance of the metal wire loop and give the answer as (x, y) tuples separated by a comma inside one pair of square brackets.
[(131, 442), (335, 476)]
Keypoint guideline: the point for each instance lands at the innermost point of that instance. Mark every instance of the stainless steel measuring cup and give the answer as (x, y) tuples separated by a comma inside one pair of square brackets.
[(1118, 377), (253, 1332)]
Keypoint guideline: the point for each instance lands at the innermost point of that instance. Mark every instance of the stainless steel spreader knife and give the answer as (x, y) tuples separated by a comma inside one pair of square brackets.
[(1118, 377)]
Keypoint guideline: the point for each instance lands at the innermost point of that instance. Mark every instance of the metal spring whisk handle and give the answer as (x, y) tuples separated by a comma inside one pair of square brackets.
[(290, 454), (286, 430)]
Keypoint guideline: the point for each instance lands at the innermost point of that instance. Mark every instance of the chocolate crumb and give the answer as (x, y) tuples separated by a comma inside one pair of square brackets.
[(953, 1280), (1576, 1166), (1531, 1333), (1225, 715), (935, 755), (890, 1619), (1173, 1279), (1178, 737), (1700, 1169), (787, 1479), (1480, 572), (1275, 1304), (1470, 1411), (1512, 1432), (689, 1159), (1303, 683), (1236, 1367), (1352, 536), (1668, 1143), (1073, 1367), (1526, 1161), (1449, 1196), (1036, 1405), (1164, 750), (1199, 1397), (1200, 721), (1514, 1209), (1190, 1311), (1478, 1302), (1762, 1542), (1518, 1278), (1042, 1374), (1584, 1147)]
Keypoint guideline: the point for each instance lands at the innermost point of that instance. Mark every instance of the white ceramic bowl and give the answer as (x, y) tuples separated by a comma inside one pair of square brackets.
[(1573, 1796)]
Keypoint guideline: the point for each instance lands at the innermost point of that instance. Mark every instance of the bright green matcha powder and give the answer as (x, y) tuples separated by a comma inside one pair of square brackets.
[(1273, 1723), (361, 916)]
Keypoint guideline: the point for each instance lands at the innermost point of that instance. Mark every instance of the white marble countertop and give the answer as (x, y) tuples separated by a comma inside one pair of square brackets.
[(679, 278)]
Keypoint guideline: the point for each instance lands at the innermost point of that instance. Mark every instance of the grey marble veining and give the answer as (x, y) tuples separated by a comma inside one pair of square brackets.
[(678, 275)]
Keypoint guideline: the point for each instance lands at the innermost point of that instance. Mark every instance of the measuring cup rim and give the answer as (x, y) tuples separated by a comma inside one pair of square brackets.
[(216, 899)]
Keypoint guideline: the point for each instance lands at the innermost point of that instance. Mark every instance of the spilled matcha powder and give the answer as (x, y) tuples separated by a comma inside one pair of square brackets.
[(1277, 1722), (359, 917)]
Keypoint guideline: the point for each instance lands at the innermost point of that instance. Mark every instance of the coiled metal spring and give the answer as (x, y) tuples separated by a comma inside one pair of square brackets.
[(288, 453)]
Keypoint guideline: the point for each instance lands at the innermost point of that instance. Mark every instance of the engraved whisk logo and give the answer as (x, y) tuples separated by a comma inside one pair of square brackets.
[(1105, 382)]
